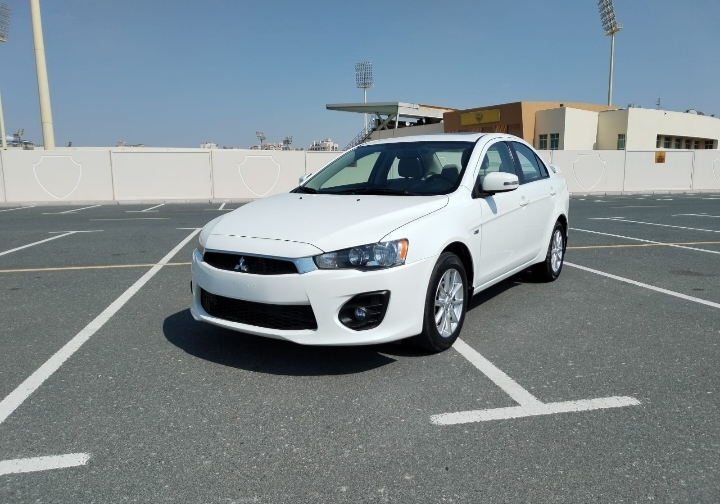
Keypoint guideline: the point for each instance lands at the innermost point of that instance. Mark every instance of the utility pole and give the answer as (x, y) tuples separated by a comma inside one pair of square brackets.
[(42, 77), (4, 23), (611, 27)]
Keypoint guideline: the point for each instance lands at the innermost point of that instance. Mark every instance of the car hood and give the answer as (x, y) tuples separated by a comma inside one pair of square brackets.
[(328, 222)]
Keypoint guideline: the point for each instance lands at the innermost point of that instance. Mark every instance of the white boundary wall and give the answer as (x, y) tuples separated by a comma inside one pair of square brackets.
[(182, 175)]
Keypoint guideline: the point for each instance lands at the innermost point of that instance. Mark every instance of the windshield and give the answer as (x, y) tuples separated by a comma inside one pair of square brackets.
[(407, 168)]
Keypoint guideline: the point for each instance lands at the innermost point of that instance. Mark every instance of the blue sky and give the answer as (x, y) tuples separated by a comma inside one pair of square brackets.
[(178, 73)]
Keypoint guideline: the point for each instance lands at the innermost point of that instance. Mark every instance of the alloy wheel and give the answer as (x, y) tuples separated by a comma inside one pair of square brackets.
[(556, 251), (449, 303)]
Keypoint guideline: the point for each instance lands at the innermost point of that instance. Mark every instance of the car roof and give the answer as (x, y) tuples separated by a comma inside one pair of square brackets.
[(444, 137)]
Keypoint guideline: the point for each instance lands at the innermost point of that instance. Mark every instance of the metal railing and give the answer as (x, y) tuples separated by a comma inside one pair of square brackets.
[(362, 136)]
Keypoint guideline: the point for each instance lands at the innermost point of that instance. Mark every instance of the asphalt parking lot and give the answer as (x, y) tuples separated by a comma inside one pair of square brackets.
[(111, 392)]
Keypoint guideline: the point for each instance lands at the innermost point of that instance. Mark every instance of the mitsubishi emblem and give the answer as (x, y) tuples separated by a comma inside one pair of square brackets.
[(241, 266)]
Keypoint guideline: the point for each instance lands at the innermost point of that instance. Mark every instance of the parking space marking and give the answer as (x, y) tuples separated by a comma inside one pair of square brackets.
[(64, 233), (644, 285), (654, 224), (26, 465), (79, 268), (33, 382), (70, 211), (151, 209), (221, 209), (635, 245), (529, 405), (638, 206), (134, 218), (695, 215), (18, 208), (648, 242)]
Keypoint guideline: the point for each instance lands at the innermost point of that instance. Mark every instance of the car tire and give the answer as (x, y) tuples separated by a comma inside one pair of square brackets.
[(444, 314), (550, 268)]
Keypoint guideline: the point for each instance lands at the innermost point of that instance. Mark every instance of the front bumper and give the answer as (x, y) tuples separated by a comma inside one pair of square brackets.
[(326, 291)]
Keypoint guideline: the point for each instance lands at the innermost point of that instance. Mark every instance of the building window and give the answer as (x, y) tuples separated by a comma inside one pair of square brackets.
[(554, 141), (621, 141), (708, 144), (678, 143), (657, 142), (697, 144), (666, 144), (542, 142), (687, 144)]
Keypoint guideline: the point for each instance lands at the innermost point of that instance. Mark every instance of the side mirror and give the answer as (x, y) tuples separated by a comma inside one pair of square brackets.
[(304, 178), (496, 182)]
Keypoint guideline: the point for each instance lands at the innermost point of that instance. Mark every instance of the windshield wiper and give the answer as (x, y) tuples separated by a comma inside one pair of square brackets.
[(303, 189), (377, 190)]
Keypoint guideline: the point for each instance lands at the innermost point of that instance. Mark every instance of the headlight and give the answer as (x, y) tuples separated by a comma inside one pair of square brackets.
[(201, 245), (373, 256)]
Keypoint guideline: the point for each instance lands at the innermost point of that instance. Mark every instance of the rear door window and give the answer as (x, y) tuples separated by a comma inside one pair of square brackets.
[(528, 163)]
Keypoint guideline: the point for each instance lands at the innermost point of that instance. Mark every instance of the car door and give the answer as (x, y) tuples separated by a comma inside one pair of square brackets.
[(501, 215), (539, 193)]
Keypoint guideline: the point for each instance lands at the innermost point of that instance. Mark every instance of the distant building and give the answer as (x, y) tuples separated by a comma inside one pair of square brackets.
[(587, 126), (123, 144), (546, 125), (209, 145), (281, 146), (323, 145)]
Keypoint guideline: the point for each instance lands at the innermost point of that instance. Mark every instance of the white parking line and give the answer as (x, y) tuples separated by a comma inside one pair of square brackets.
[(654, 224), (221, 209), (70, 211), (647, 241), (646, 286), (151, 209), (18, 208), (529, 404), (695, 215), (43, 463), (31, 384), (64, 233)]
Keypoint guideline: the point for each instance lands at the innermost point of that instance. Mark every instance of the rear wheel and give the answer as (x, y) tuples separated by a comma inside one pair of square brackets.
[(445, 304), (550, 268)]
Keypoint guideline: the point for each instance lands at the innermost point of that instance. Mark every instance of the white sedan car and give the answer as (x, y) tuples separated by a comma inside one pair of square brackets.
[(389, 241)]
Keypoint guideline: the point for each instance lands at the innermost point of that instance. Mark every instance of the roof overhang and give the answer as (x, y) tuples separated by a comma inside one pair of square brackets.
[(413, 110)]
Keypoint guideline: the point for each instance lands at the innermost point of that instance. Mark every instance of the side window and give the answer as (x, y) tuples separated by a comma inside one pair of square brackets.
[(543, 168), (528, 163), (496, 159)]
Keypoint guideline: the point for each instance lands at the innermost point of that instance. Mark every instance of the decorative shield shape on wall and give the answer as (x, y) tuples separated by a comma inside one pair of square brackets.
[(260, 174), (588, 170), (716, 169), (59, 176)]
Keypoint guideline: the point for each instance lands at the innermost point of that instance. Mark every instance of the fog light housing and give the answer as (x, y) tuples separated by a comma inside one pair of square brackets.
[(364, 311)]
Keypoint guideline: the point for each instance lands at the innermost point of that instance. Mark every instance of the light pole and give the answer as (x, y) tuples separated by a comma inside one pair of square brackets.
[(4, 23), (611, 27), (42, 78), (364, 80), (261, 137)]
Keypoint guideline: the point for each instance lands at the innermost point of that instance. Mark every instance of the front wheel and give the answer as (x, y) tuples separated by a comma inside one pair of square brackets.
[(550, 268), (445, 304)]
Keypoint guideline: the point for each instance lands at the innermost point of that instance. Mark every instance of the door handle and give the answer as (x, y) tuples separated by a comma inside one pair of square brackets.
[(523, 201)]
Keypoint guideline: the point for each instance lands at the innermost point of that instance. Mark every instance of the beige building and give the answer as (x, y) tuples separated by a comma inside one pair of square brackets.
[(546, 125), (631, 128)]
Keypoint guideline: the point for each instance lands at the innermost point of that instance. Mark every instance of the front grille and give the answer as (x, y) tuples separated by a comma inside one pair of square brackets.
[(251, 264), (271, 316)]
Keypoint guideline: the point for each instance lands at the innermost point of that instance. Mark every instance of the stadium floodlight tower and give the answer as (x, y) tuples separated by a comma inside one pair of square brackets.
[(611, 27), (261, 137), (364, 80), (4, 24)]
